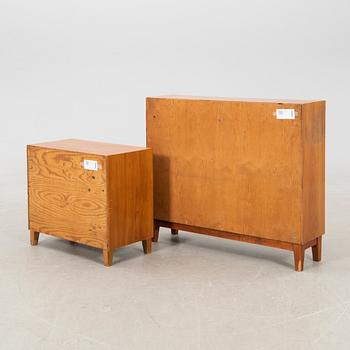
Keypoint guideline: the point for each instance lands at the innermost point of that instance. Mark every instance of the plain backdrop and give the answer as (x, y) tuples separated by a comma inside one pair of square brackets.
[(82, 69)]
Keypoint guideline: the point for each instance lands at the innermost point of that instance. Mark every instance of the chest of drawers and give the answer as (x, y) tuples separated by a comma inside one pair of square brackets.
[(92, 193)]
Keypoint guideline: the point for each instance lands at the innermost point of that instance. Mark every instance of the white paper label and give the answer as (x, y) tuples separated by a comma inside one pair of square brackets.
[(286, 113), (90, 164)]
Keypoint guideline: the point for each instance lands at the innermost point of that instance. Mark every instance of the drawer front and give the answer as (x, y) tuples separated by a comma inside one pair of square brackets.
[(231, 166), (64, 198)]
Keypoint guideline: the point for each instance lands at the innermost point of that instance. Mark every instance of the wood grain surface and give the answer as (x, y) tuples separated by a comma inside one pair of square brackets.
[(131, 197), (229, 166), (66, 200), (107, 208), (313, 136), (89, 147)]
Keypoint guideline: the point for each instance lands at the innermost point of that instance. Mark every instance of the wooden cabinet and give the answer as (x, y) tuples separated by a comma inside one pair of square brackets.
[(93, 193), (249, 170)]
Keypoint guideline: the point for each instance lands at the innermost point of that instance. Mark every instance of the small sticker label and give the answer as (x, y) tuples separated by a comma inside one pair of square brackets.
[(90, 164), (286, 113)]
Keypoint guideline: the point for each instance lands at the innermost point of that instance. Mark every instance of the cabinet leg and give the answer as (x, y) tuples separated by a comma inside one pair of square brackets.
[(299, 253), (107, 257), (147, 246), (174, 231), (156, 233), (317, 249), (34, 237)]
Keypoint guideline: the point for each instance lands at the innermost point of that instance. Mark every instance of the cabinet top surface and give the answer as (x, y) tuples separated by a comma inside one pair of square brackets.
[(91, 147), (233, 99)]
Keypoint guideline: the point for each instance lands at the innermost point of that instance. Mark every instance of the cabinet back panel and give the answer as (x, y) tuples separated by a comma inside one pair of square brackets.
[(227, 165), (64, 198)]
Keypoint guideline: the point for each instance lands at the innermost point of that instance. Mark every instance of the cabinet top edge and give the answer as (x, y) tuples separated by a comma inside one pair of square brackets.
[(90, 147), (233, 99)]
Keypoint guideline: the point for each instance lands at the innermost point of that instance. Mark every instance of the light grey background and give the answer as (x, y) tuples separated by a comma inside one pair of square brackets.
[(82, 69)]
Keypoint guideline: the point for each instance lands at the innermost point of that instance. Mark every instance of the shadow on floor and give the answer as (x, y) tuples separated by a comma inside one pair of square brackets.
[(89, 253), (226, 246)]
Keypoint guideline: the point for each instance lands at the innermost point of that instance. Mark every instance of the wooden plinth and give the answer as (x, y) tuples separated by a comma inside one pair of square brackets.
[(297, 249)]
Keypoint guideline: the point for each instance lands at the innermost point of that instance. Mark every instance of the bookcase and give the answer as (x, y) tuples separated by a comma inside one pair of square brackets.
[(244, 169)]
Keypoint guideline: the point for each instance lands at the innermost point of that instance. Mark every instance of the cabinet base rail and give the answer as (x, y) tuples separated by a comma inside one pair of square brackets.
[(297, 249)]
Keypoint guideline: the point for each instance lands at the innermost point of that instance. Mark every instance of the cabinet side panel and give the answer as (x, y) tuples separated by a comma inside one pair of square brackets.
[(64, 199), (227, 165), (130, 197), (313, 131)]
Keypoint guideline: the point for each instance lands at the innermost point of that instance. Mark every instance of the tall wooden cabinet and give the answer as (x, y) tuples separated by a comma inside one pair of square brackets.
[(249, 170)]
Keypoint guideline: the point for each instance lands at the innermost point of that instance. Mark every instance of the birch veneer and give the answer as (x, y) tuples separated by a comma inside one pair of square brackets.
[(93, 193), (231, 168)]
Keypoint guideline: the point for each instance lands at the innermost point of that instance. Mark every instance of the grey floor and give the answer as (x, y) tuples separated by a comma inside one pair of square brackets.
[(193, 292)]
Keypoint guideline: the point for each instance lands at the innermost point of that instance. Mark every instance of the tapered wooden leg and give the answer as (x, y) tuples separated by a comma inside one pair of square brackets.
[(156, 233), (147, 246), (317, 249), (299, 253), (107, 257), (34, 237), (174, 231)]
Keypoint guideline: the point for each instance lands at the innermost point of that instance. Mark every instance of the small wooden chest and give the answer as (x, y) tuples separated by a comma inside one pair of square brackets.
[(94, 193)]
